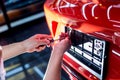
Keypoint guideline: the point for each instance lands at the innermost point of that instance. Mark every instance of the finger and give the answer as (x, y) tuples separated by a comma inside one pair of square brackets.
[(66, 41), (44, 42), (40, 48), (66, 34), (48, 45), (50, 38), (46, 37), (63, 36), (42, 36)]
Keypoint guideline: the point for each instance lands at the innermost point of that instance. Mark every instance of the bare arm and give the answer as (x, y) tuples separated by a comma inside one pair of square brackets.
[(12, 50), (29, 45), (53, 71)]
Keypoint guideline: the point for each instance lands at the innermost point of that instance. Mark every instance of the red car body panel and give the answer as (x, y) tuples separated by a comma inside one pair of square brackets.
[(97, 18)]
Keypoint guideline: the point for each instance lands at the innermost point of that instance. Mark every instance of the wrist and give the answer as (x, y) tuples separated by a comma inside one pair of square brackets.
[(57, 54), (22, 47)]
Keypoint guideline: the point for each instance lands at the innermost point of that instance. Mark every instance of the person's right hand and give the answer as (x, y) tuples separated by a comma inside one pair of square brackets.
[(63, 45)]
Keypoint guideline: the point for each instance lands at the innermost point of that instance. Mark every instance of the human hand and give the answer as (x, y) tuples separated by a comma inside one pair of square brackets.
[(37, 42), (62, 45)]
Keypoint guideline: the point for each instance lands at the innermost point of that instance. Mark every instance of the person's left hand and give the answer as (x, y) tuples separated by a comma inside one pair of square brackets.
[(37, 42)]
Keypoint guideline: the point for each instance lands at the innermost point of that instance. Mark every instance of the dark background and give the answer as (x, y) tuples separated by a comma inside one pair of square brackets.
[(28, 66), (34, 60)]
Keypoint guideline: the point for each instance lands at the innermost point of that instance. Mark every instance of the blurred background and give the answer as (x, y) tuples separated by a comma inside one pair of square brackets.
[(20, 19)]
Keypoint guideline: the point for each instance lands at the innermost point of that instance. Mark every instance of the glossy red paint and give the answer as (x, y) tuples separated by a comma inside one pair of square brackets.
[(54, 27), (98, 18), (79, 68), (70, 75)]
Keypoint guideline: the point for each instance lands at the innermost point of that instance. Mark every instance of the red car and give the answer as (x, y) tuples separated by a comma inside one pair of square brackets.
[(94, 29)]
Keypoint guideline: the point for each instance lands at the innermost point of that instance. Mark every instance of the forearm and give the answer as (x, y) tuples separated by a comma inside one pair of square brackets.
[(12, 50), (53, 71)]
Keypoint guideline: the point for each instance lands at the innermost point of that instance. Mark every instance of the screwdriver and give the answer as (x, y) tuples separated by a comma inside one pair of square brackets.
[(51, 41)]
